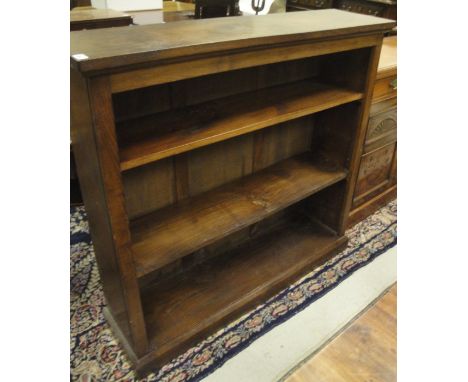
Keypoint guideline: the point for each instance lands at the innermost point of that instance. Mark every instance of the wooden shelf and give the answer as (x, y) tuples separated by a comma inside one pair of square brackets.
[(151, 138), (184, 309), (176, 231)]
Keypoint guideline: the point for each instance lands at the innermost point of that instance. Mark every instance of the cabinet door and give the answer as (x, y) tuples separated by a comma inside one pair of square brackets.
[(375, 173)]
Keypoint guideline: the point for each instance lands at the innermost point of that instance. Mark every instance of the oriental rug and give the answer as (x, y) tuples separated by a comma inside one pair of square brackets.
[(96, 355)]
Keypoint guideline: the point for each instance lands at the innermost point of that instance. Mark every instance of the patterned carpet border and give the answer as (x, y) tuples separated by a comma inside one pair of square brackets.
[(96, 356)]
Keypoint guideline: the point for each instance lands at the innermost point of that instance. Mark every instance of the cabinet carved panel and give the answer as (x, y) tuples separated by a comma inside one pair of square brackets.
[(374, 173), (382, 129), (309, 4), (379, 127), (364, 7), (380, 8)]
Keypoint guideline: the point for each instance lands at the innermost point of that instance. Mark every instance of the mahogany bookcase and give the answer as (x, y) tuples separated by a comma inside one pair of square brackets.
[(217, 160)]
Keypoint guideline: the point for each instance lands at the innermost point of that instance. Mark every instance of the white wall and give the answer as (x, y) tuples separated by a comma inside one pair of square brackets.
[(128, 5), (271, 6)]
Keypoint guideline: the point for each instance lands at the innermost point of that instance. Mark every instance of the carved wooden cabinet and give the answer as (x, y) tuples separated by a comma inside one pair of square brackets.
[(380, 8), (217, 161), (376, 184), (300, 5)]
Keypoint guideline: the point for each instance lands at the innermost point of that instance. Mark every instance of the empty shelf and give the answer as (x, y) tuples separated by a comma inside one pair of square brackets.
[(147, 139), (178, 230)]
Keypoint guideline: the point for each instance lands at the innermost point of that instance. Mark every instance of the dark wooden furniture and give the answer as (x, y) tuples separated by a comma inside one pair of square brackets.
[(92, 18), (380, 8), (79, 3), (305, 5), (217, 160), (172, 11), (205, 9), (177, 6), (377, 179)]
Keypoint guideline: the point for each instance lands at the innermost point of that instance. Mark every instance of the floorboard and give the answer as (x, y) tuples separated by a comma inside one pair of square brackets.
[(364, 352)]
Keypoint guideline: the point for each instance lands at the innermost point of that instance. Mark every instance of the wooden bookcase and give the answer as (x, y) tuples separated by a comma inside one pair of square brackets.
[(217, 160)]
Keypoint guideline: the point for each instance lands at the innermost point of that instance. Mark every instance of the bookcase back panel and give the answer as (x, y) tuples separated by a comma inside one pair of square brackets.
[(173, 95), (282, 141), (334, 133), (150, 187), (347, 69), (143, 101), (325, 206), (218, 164), (159, 184)]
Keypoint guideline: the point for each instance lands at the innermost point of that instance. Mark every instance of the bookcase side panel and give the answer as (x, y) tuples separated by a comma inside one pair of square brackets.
[(95, 148), (339, 133), (359, 136)]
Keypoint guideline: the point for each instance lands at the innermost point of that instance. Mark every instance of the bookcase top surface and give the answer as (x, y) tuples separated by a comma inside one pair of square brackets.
[(101, 50)]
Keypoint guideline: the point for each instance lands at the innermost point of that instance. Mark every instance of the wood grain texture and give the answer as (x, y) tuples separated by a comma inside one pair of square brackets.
[(172, 11), (89, 173), (384, 88), (208, 123), (120, 47), (176, 6), (95, 145), (185, 308), (365, 351), (146, 101), (170, 234), (156, 185), (150, 187), (97, 18), (344, 69), (282, 141), (106, 141), (219, 164), (201, 65)]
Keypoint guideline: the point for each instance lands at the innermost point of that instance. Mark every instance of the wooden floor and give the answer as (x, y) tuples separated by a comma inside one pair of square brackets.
[(364, 352)]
